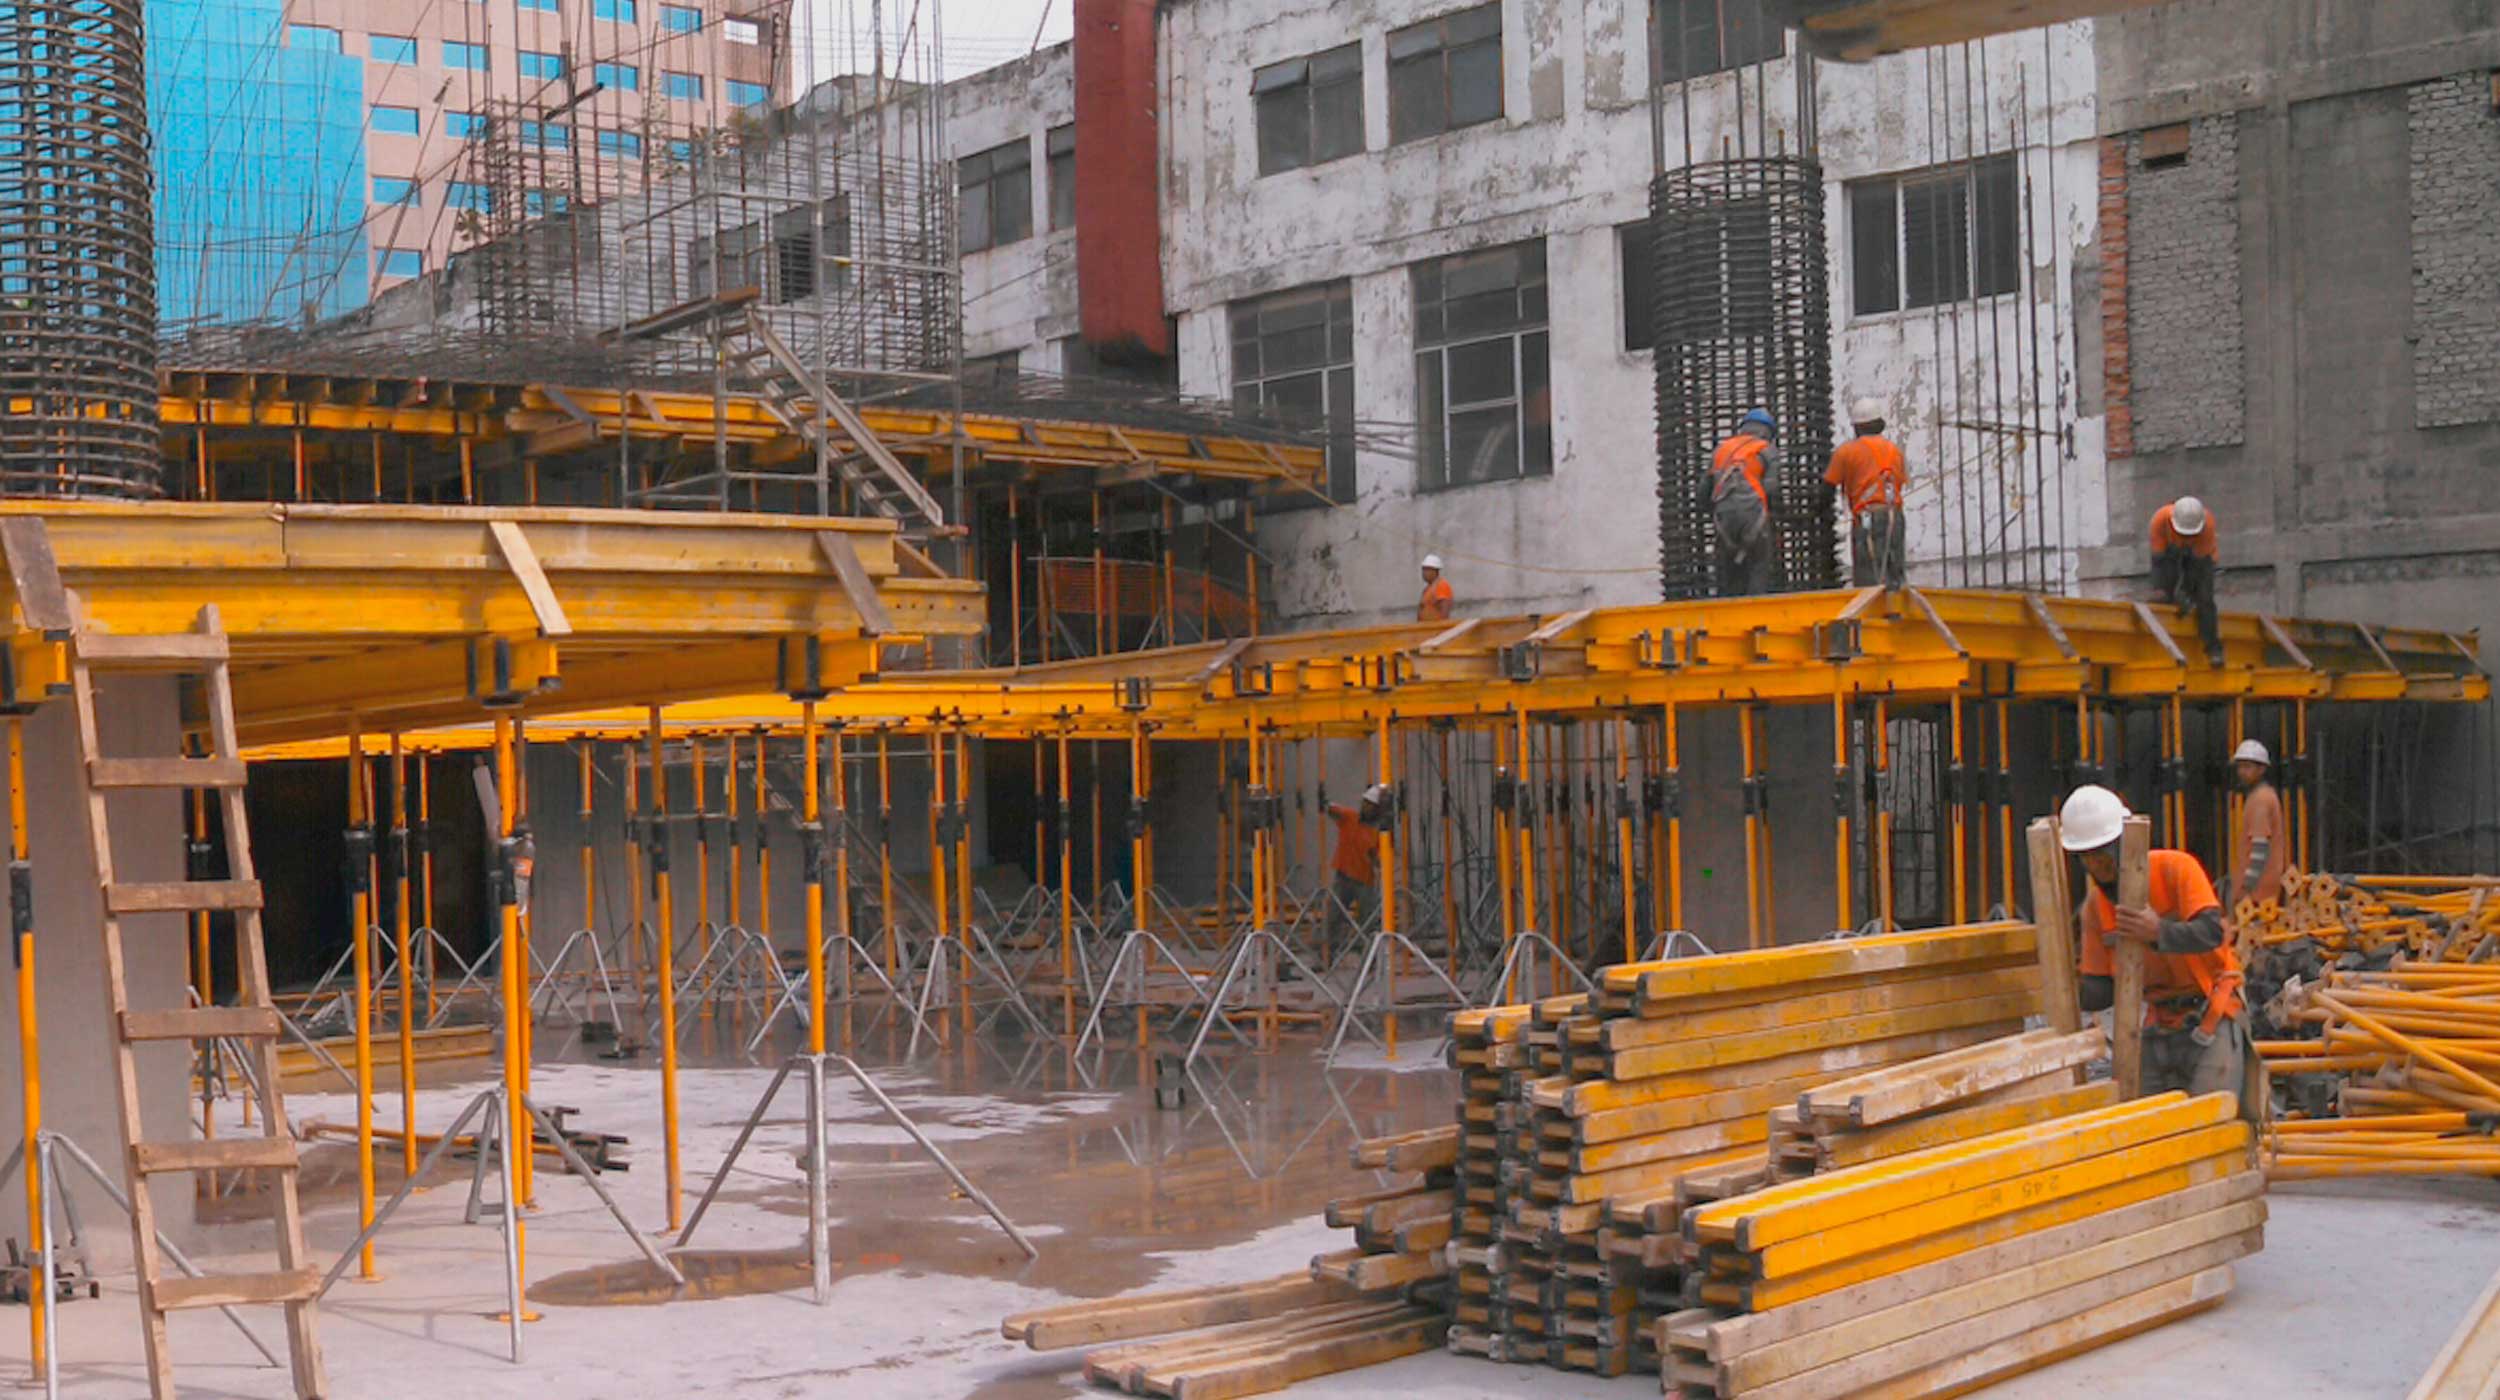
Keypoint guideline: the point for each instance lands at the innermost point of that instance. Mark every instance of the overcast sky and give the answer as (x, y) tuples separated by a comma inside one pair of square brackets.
[(833, 36)]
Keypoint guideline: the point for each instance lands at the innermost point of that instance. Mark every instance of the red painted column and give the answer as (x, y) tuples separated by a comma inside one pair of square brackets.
[(1119, 224)]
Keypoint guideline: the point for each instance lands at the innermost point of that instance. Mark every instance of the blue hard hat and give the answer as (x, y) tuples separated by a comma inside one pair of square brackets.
[(1760, 417)]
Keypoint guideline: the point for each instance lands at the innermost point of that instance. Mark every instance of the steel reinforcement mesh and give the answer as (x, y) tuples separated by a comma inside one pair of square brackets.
[(1742, 319), (78, 399)]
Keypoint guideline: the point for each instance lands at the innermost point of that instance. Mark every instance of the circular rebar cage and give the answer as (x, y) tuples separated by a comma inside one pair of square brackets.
[(78, 393), (1742, 319)]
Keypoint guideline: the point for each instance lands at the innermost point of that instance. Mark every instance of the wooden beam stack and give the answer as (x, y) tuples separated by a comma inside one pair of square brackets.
[(1961, 1264), (1967, 1093), (2468, 1367)]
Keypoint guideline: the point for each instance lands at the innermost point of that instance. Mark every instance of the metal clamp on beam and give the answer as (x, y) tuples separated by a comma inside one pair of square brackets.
[(1134, 692), (1522, 662), (1505, 790), (421, 839), (1262, 810), (1627, 806), (395, 855), (1839, 640), (2001, 786), (801, 677), (1958, 786), (359, 858), (1254, 678), (504, 878), (1386, 814), (1133, 822), (1665, 794), (1659, 652), (1757, 796), (811, 853), (655, 842), (2172, 775), (196, 853), (2296, 769), (760, 834), (491, 677), (1844, 782), (703, 830), (2085, 774)]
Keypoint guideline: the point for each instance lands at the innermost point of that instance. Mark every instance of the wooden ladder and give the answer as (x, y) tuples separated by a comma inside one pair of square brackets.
[(252, 1022)]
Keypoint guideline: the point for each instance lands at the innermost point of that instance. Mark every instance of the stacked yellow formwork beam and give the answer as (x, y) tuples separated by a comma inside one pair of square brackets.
[(1987, 1088), (1949, 1268)]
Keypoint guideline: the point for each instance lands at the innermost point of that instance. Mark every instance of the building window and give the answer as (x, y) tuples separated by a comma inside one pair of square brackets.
[(620, 143), (553, 135), (403, 262), (1707, 36), (1310, 108), (469, 56), (681, 151), (1061, 145), (681, 19), (313, 37), (742, 31), (1445, 73), (535, 64), (394, 49), (1944, 234), (395, 121), (1483, 400), (463, 126), (1293, 355), (786, 258), (684, 87), (475, 198), (543, 6), (390, 189), (996, 373), (618, 77), (747, 94), (994, 196), (539, 203), (621, 11), (1636, 254)]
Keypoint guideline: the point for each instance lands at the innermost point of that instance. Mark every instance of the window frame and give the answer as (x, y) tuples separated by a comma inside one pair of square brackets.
[(548, 7), (732, 87), (469, 197), (672, 83), (1059, 175), (619, 145), (325, 38), (1769, 42), (615, 11), (1255, 387), (739, 29), (540, 65), (1294, 86), (412, 192), (673, 19), (456, 52), (387, 256), (414, 121), (1530, 364), (600, 73), (1987, 264), (1640, 336), (1429, 44), (403, 54), (980, 172)]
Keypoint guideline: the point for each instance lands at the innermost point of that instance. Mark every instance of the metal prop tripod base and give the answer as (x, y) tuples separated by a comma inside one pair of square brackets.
[(811, 1069), (1131, 954), (841, 945), (1378, 959), (489, 1145), (49, 1146), (975, 957), (1517, 960), (1262, 977)]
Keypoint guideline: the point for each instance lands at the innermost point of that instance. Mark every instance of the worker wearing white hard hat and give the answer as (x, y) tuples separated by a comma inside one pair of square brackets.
[(2193, 1033), (1438, 598), (2264, 850), (2186, 552), (1869, 473), (1355, 872)]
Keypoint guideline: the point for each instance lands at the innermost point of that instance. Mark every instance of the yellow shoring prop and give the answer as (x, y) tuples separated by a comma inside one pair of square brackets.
[(1675, 819), (703, 926), (1623, 847), (1753, 831), (1449, 868), (1958, 801), (885, 851), (1883, 815), (963, 871), (508, 974), (1389, 881), (841, 834), (1503, 855), (30, 1046), (402, 933), (1067, 898), (664, 918), (1840, 808), (938, 886), (360, 924), (812, 868)]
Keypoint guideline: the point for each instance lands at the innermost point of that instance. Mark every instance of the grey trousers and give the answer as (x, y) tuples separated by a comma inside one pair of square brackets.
[(2173, 1060)]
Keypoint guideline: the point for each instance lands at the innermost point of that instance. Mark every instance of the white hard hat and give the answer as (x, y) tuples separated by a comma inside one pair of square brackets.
[(2093, 817), (1375, 793), (2188, 516), (1432, 561), (2250, 751), (1866, 411)]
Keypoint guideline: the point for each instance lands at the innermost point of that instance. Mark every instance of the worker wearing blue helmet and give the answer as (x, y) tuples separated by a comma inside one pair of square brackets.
[(1740, 504)]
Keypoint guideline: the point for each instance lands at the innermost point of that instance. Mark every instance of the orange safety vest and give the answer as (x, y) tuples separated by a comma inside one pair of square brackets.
[(1438, 598), (2171, 980), (2166, 536), (1869, 472), (1741, 453)]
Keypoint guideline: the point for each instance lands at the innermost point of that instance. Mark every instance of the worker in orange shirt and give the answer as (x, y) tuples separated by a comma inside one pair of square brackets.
[(2185, 555), (1356, 870), (2194, 1034), (2257, 866), (1740, 504), (1869, 472), (1438, 598)]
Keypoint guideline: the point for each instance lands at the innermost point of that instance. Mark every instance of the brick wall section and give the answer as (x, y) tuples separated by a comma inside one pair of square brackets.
[(2116, 381), (2455, 176), (2187, 386)]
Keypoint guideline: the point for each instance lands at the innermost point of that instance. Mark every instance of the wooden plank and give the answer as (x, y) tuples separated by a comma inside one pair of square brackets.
[(514, 546), (1384, 1216), (119, 773), (2465, 1367), (2048, 623), (35, 576), (1230, 653), (2135, 883), (857, 586), (106, 651), (1579, 1099), (1725, 1337), (2052, 1096), (1449, 636), (2283, 639), (169, 896), (1968, 1353), (1917, 1087), (2068, 1337), (1633, 1032), (1777, 994), (1178, 1310), (201, 1023), (1817, 1035), (2161, 635), (2053, 915), (231, 1290), (1308, 1360), (1790, 966), (1369, 1273), (2125, 1264), (1554, 627), (214, 1154), (1126, 1366)]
